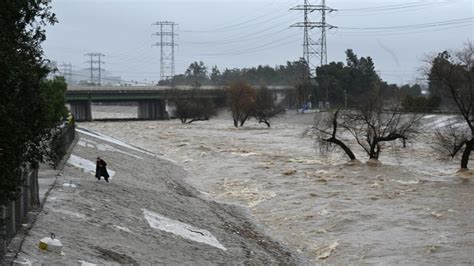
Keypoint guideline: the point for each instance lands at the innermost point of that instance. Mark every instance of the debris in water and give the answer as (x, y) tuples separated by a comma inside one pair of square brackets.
[(182, 144), (325, 252), (375, 185), (323, 180), (431, 249), (290, 172), (437, 214), (205, 148), (324, 212)]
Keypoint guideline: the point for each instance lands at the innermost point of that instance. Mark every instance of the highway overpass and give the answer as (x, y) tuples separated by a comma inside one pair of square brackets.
[(152, 100)]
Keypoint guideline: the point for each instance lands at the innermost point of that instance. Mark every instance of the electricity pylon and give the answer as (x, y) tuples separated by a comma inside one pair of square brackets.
[(309, 44), (167, 44), (93, 68), (66, 70)]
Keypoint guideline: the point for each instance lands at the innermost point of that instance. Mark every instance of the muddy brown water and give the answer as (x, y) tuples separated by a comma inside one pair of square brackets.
[(410, 210)]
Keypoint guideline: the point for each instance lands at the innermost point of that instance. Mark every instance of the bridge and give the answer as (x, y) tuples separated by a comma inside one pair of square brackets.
[(152, 100)]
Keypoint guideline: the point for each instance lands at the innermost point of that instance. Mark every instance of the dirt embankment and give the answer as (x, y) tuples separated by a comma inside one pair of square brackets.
[(145, 215)]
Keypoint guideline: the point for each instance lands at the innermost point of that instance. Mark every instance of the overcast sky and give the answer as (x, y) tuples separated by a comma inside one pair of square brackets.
[(231, 33)]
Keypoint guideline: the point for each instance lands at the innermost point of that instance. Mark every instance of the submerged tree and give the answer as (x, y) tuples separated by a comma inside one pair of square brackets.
[(195, 107), (453, 77), (241, 101), (326, 127), (374, 122), (265, 106), (451, 139)]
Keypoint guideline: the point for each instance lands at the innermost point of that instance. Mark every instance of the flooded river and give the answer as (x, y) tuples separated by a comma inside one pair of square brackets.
[(410, 210)]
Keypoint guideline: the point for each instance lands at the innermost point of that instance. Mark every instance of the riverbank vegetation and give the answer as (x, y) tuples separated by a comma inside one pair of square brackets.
[(30, 105)]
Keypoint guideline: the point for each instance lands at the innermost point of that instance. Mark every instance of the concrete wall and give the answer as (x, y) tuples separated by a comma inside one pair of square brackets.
[(14, 214)]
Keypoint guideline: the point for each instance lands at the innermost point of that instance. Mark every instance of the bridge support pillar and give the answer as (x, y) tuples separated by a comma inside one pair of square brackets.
[(151, 110), (81, 110)]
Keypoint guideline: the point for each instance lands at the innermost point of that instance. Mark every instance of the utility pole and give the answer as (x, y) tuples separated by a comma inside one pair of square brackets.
[(167, 44), (66, 70), (93, 62)]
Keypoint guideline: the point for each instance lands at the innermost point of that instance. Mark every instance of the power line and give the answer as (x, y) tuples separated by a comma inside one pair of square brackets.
[(384, 12), (395, 7), (266, 46), (245, 37), (275, 13), (404, 32), (415, 26), (166, 43)]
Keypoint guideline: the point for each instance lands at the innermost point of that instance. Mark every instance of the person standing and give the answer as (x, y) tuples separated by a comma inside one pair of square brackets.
[(101, 170)]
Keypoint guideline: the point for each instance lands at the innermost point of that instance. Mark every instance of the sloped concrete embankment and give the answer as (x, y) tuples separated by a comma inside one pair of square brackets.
[(145, 215)]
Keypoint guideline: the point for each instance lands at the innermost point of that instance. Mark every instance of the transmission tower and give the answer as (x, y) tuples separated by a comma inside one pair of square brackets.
[(309, 44), (167, 44), (95, 67), (66, 70), (323, 26)]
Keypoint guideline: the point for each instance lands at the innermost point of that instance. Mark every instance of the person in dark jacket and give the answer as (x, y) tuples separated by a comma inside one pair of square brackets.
[(101, 170)]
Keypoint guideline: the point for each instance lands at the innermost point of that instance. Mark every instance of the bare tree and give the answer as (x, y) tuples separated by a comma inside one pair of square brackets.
[(241, 100), (191, 110), (265, 106), (326, 127), (450, 139), (195, 107), (454, 76), (371, 124)]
